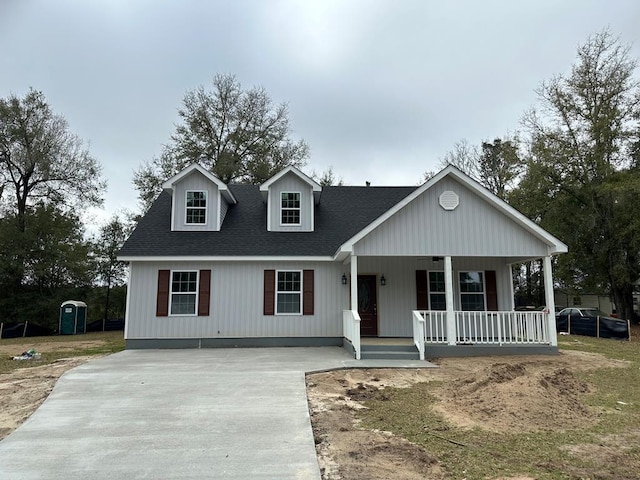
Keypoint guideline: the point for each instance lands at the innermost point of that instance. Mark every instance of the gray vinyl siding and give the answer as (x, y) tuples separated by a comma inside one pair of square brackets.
[(236, 302), (474, 228), (195, 181), (291, 183), (397, 299)]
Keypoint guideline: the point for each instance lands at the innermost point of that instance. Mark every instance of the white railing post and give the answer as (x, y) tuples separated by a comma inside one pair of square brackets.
[(550, 300), (419, 332), (351, 330)]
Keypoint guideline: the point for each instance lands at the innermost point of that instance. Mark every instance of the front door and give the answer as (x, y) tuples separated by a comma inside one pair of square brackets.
[(367, 305)]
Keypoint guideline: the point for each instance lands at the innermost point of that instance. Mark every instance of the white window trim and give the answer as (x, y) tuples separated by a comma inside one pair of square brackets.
[(171, 293), (206, 208), (484, 288), (429, 292), (277, 291), (299, 210)]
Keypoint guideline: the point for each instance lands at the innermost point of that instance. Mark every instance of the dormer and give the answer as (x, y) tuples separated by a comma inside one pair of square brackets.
[(291, 197), (199, 199)]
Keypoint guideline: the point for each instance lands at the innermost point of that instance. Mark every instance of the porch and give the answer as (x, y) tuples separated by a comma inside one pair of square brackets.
[(465, 333), (386, 315)]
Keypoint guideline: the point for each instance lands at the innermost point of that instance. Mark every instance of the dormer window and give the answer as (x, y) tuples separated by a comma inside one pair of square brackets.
[(290, 208), (196, 207)]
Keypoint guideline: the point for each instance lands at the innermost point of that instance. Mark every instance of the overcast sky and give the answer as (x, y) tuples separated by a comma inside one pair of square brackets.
[(379, 89)]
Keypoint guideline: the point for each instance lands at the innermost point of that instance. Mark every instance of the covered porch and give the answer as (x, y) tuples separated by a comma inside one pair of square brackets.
[(426, 307), (442, 261)]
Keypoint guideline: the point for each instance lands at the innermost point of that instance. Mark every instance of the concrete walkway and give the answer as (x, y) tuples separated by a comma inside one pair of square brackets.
[(178, 414)]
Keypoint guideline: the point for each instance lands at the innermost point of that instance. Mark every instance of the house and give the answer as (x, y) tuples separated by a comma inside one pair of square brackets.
[(291, 263), (600, 301), (565, 299)]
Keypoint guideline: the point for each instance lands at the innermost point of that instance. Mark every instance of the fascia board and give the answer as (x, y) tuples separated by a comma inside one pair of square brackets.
[(168, 185), (183, 258), (312, 183)]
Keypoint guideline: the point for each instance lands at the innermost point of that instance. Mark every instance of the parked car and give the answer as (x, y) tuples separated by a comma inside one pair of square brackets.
[(591, 322)]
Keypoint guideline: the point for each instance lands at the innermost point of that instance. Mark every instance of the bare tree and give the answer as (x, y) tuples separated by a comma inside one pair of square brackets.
[(464, 156)]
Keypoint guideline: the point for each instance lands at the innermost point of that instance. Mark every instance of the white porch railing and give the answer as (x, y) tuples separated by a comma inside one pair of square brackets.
[(419, 326), (493, 328), (351, 329), (435, 328)]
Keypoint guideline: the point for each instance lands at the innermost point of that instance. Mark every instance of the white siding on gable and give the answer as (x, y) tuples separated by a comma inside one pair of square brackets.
[(473, 228), (195, 182), (291, 183)]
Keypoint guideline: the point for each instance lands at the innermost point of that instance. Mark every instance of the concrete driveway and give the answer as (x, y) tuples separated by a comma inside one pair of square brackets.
[(177, 414)]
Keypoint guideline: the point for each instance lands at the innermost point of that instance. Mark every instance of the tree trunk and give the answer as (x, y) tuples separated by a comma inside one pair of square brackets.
[(623, 298), (106, 303)]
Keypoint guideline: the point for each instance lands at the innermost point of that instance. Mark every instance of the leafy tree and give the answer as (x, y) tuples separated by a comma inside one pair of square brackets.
[(496, 165), (239, 135), (110, 271), (50, 257), (41, 160), (499, 165), (42, 165), (582, 179)]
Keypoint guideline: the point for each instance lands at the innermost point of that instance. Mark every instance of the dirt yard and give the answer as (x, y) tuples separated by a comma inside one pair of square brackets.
[(483, 392)]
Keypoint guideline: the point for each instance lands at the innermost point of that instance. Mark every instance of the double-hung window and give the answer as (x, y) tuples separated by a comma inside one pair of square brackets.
[(437, 297), (184, 290), (472, 291), (196, 206), (290, 208), (289, 292)]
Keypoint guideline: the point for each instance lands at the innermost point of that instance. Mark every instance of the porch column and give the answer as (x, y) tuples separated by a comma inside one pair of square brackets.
[(550, 300), (448, 290), (512, 294), (354, 283)]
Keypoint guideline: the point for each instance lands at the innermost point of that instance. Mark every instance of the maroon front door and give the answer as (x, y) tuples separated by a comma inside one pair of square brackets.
[(367, 305)]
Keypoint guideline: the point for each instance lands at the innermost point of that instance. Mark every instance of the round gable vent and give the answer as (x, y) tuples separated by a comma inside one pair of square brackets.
[(449, 200)]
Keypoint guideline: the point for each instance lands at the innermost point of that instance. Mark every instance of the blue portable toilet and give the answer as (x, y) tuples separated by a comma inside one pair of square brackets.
[(73, 318)]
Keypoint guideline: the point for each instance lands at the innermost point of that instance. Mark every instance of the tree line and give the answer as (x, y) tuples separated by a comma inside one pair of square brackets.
[(572, 168), (47, 176)]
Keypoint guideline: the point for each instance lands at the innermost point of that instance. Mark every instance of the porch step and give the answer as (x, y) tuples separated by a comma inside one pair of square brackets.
[(389, 352)]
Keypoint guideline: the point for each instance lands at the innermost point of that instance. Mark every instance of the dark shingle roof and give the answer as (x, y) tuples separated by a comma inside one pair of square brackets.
[(341, 213)]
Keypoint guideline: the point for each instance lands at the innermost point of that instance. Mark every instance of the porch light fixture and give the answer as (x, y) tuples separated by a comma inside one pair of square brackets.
[(383, 281), (344, 279)]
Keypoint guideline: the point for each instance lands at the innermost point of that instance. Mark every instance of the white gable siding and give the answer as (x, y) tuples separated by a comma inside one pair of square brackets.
[(473, 228), (291, 183), (236, 308), (195, 181)]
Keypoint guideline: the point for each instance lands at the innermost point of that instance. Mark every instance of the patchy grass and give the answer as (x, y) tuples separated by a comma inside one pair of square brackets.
[(606, 449), (88, 344)]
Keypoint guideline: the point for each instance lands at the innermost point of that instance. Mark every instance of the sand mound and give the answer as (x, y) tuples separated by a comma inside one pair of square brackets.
[(516, 397)]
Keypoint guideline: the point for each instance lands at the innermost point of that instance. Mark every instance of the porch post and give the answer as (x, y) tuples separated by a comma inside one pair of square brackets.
[(512, 294), (550, 300), (354, 283), (448, 289)]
